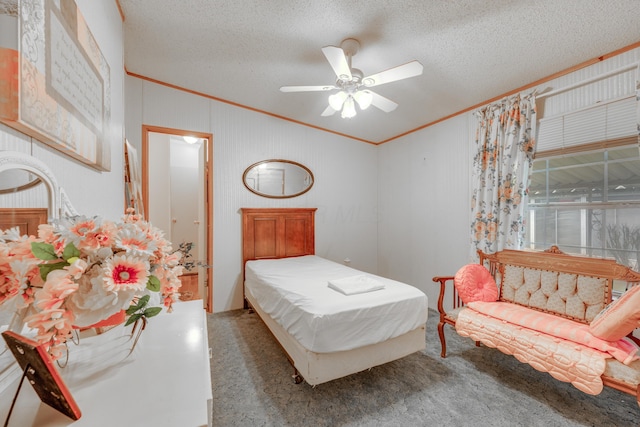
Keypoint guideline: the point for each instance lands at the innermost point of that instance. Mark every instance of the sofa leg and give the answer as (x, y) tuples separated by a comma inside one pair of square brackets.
[(443, 343)]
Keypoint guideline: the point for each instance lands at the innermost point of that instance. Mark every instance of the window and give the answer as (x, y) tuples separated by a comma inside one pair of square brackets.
[(587, 203)]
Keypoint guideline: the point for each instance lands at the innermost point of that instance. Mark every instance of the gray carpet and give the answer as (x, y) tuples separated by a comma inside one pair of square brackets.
[(252, 386)]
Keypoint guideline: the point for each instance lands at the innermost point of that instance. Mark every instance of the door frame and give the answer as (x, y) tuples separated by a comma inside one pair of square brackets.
[(208, 176)]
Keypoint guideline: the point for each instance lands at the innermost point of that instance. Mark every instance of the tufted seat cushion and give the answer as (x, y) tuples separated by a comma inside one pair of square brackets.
[(475, 283)]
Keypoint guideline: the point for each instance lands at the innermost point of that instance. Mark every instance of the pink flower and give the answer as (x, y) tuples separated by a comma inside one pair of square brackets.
[(83, 227), (56, 289), (77, 268), (106, 234), (123, 272), (54, 327), (169, 300), (18, 267), (46, 232), (173, 259), (21, 248), (135, 241), (76, 229), (99, 237)]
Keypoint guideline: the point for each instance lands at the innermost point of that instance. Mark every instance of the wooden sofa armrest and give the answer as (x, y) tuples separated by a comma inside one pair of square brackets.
[(443, 287), (457, 302)]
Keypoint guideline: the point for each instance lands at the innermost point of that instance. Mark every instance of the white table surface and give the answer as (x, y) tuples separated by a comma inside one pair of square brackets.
[(166, 381)]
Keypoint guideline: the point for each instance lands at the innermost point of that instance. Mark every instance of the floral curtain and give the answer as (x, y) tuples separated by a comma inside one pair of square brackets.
[(504, 147)]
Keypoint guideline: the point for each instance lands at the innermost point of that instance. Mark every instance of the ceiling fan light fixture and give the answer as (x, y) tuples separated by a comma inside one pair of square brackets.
[(349, 108), (353, 85), (337, 99), (364, 98)]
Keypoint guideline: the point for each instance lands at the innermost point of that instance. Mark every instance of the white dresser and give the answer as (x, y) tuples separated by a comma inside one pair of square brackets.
[(166, 381)]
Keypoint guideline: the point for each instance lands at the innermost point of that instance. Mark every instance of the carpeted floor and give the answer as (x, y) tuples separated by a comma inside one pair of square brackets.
[(252, 386)]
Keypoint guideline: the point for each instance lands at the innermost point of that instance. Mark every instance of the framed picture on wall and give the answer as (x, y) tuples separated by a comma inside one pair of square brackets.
[(133, 179), (55, 82)]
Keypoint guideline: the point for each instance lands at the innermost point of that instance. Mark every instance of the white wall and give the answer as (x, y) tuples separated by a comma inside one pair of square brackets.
[(91, 192), (423, 181), (345, 189)]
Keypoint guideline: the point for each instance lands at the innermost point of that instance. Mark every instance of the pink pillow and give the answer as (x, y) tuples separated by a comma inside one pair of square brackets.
[(619, 318), (474, 283)]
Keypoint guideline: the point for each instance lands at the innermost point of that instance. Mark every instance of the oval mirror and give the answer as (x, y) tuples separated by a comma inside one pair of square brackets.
[(277, 178)]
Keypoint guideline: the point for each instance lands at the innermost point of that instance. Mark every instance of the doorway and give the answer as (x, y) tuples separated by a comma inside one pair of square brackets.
[(177, 193)]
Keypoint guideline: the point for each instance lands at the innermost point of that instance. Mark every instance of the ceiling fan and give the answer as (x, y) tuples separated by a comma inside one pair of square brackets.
[(353, 86)]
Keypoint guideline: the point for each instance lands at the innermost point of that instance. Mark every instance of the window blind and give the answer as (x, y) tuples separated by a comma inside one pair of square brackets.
[(606, 124)]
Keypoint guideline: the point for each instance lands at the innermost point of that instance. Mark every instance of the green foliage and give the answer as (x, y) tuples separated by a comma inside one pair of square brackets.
[(47, 252), (153, 284), (45, 269), (43, 251), (140, 310), (70, 251)]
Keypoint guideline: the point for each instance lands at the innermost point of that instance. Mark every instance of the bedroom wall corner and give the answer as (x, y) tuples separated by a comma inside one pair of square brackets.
[(424, 204)]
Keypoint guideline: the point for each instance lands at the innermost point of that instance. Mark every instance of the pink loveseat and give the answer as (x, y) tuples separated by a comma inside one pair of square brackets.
[(553, 311)]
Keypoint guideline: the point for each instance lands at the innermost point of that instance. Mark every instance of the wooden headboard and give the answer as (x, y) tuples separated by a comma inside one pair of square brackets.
[(277, 233)]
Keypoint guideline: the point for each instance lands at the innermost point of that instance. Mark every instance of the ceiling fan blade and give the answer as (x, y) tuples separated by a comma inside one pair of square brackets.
[(306, 88), (410, 69), (328, 111), (385, 104), (338, 61)]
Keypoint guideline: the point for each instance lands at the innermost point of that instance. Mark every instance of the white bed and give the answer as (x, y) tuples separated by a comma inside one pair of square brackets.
[(325, 333)]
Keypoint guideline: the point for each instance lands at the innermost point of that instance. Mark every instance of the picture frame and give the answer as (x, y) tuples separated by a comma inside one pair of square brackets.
[(55, 83), (40, 371), (133, 179)]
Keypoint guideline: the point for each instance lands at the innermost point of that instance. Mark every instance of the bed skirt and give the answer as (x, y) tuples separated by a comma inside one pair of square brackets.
[(318, 368)]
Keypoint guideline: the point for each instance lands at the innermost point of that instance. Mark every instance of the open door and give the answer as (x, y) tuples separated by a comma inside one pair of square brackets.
[(177, 193)]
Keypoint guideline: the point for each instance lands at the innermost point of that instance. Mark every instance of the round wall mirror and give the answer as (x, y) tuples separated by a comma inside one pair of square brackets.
[(277, 178)]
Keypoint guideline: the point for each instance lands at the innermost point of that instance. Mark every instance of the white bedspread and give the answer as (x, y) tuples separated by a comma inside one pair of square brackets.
[(294, 292)]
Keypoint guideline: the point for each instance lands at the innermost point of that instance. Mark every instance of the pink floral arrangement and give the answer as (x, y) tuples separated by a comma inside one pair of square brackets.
[(80, 271)]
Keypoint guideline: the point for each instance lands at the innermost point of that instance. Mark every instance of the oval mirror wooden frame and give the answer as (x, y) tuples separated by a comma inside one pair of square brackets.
[(280, 179)]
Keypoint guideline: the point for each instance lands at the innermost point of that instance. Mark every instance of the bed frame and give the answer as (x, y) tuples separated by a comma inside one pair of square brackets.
[(286, 232)]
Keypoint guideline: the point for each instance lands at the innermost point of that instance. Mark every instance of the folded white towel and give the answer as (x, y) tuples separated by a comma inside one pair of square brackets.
[(356, 284)]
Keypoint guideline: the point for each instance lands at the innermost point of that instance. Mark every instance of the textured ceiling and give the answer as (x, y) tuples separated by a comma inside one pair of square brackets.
[(243, 51)]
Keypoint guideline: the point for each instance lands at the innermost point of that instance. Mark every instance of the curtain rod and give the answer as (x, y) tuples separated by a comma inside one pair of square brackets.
[(589, 80)]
